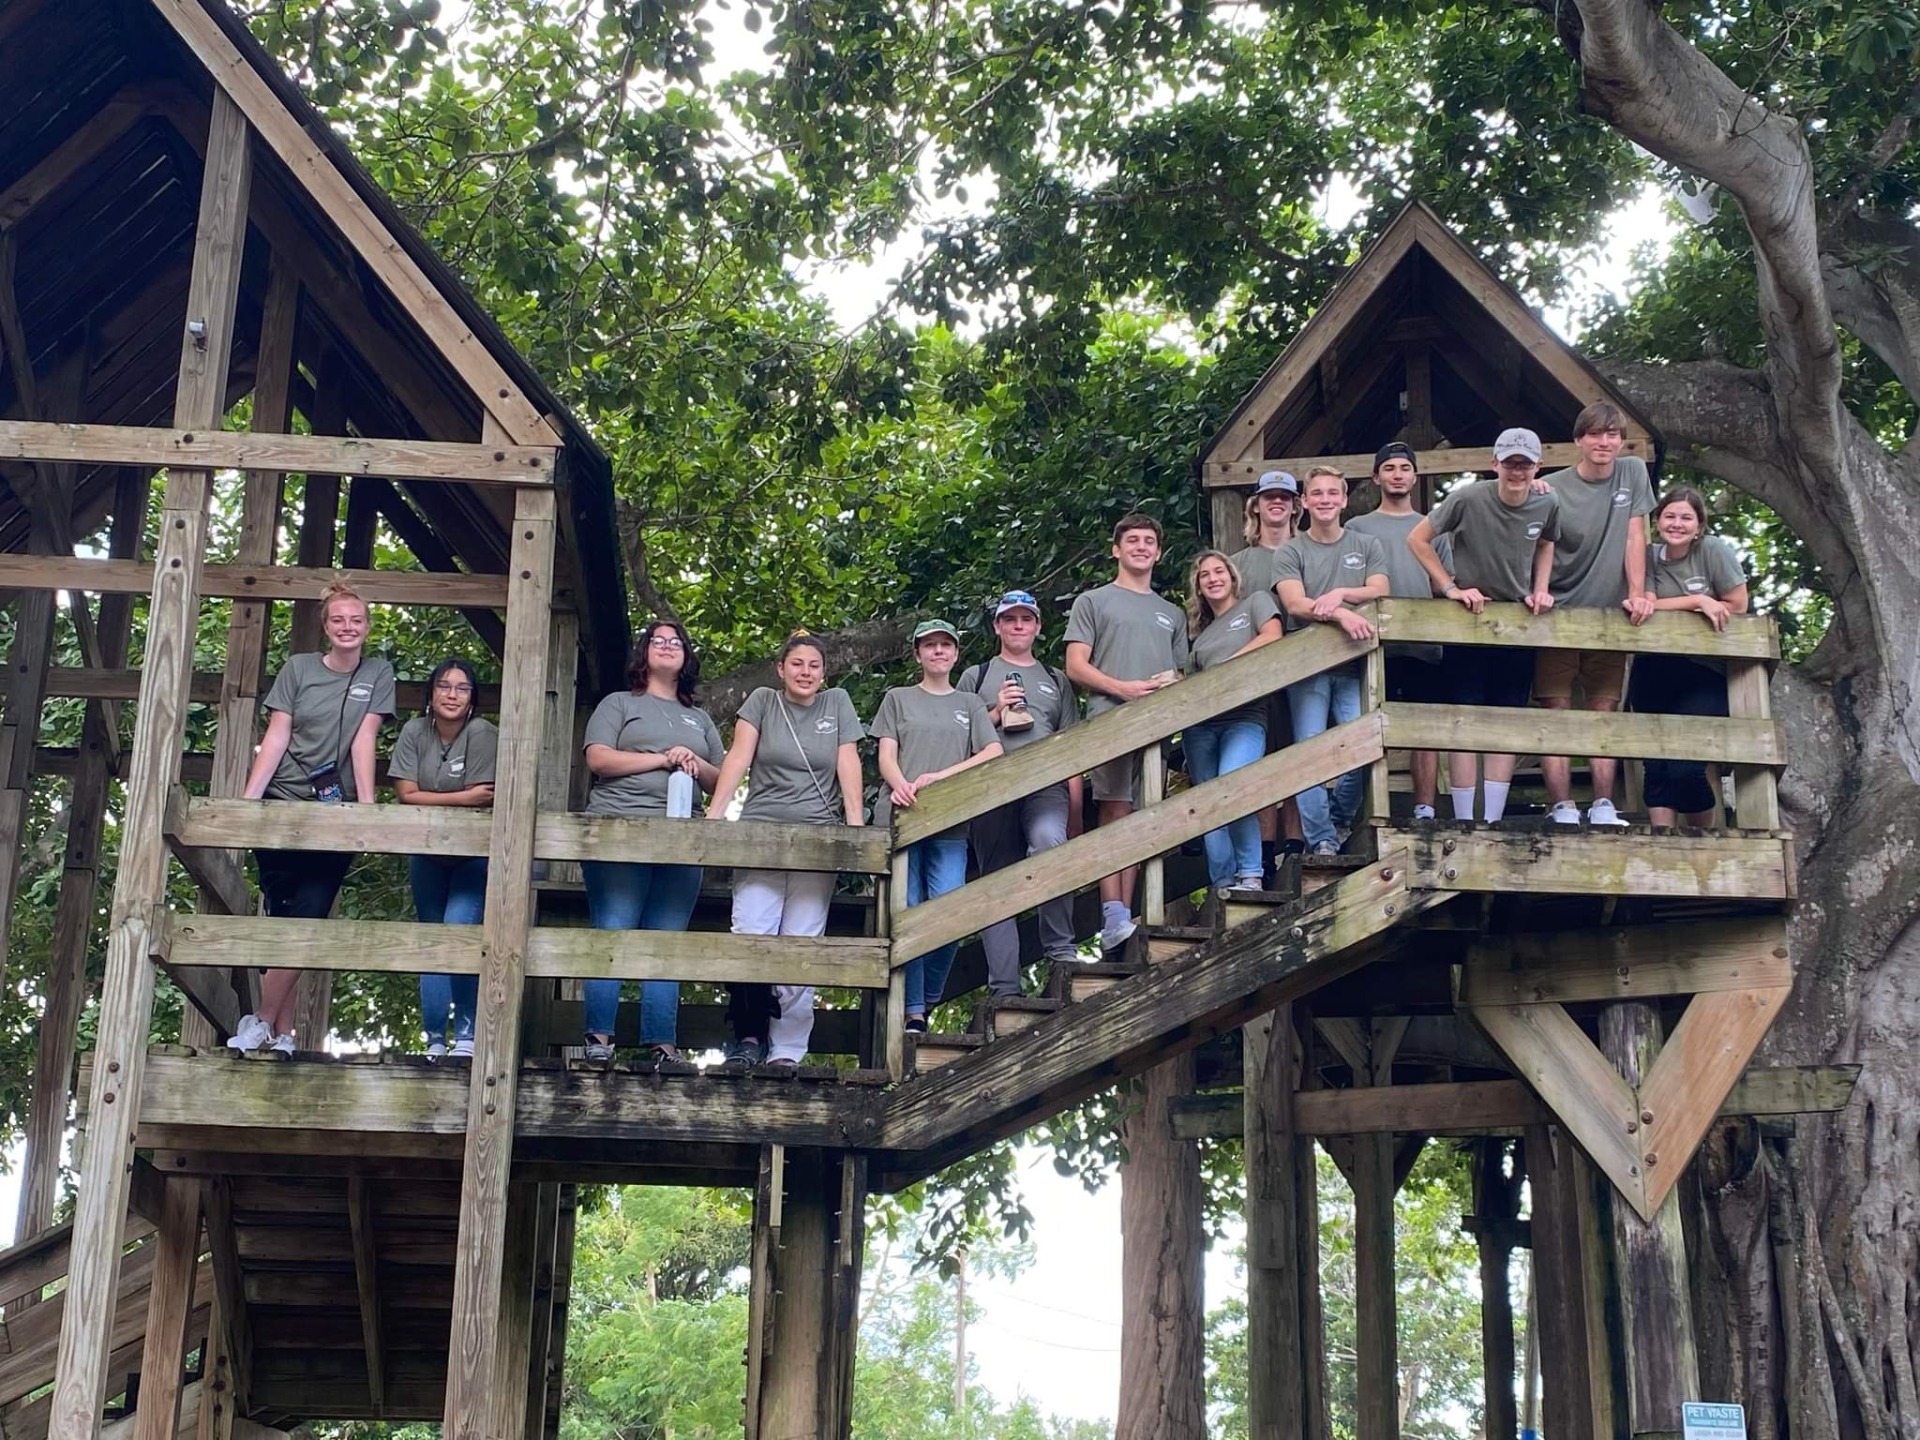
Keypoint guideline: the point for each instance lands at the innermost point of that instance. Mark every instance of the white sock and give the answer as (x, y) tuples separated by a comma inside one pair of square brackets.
[(1496, 798), (1423, 812), (1462, 803), (1114, 914)]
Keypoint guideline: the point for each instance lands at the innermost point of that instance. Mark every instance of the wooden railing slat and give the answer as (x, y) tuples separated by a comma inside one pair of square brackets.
[(1669, 632), (1490, 728)]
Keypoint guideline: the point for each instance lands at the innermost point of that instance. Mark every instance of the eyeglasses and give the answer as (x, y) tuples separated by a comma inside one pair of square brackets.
[(442, 687), (667, 642), (1017, 597)]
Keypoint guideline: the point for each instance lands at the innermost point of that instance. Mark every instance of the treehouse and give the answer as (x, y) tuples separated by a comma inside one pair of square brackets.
[(371, 1236)]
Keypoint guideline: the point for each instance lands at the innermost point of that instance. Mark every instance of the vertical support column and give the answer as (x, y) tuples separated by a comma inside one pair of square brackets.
[(1376, 1308), (763, 1256), (496, 1049), (24, 693), (169, 1304), (79, 884), (546, 1235), (1756, 790), (1559, 1320), (219, 1372), (514, 1333), (1313, 1330), (893, 1018), (1496, 1198), (806, 1373), (1153, 876), (1276, 1357), (1650, 1258), (319, 506), (126, 1002), (1373, 696)]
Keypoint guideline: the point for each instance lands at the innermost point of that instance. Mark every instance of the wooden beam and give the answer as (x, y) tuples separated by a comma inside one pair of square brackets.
[(170, 1302), (1559, 1303), (1443, 622), (514, 1329), (1124, 730), (216, 872), (1627, 962), (229, 1326), (1693, 866), (1138, 837), (1756, 789), (1276, 1356), (1583, 732), (496, 1049), (214, 449), (126, 1004), (81, 148), (437, 556), (366, 1278), (1376, 1312), (257, 582), (1454, 460), (1119, 1033)]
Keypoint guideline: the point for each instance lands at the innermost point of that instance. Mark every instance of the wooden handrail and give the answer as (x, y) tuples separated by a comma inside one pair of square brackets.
[(1669, 632), (1124, 730), (1138, 837), (1493, 728)]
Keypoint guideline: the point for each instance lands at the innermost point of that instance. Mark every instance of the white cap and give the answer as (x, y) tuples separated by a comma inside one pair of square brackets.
[(1517, 442)]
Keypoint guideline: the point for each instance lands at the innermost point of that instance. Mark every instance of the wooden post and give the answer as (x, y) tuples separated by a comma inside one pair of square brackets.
[(79, 883), (1756, 790), (1496, 1199), (319, 506), (893, 1015), (546, 1235), (1650, 1258), (763, 1258), (25, 692), (169, 1305), (496, 1049), (806, 1372), (514, 1338), (219, 1393), (1558, 1286), (1276, 1358), (1153, 879), (126, 1004), (1376, 1310), (1374, 695)]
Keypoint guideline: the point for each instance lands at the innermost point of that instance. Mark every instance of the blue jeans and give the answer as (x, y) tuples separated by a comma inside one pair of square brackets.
[(933, 868), (1317, 704), (622, 895), (1213, 750), (448, 890)]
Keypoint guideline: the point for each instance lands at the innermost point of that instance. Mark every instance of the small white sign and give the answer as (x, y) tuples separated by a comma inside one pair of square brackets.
[(1713, 1422)]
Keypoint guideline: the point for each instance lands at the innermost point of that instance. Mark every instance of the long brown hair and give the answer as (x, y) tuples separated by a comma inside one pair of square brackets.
[(1199, 612)]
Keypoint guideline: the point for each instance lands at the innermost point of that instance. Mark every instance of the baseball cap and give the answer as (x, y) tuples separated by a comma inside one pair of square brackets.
[(1517, 442), (1016, 600), (935, 627), (1276, 480), (1395, 450)]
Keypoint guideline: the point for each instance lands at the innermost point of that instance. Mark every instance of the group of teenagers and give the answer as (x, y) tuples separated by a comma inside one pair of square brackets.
[(1577, 537)]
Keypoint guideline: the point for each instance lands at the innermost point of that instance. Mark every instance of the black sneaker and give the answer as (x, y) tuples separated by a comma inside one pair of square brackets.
[(746, 1052), (916, 1024)]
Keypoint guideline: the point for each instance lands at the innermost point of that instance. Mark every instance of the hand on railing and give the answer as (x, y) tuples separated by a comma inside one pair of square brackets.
[(1356, 625), (1540, 601), (1639, 608)]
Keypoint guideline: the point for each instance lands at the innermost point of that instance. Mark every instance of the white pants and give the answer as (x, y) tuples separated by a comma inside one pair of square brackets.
[(784, 902)]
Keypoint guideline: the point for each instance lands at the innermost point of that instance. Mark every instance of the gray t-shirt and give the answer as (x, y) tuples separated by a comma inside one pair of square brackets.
[(934, 732), (1255, 564), (781, 787), (1225, 636), (1050, 698), (327, 708), (645, 724), (443, 766), (1134, 636), (1590, 557), (1406, 576), (1711, 566), (1493, 542), (1350, 561)]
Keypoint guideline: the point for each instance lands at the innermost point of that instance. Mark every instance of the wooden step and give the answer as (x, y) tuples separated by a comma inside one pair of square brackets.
[(1165, 942), (929, 1049), (1010, 1014), (1083, 982), (1319, 871)]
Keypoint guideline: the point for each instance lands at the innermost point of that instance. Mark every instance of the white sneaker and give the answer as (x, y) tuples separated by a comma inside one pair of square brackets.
[(1565, 812), (1601, 812), (437, 1050), (1325, 847), (1112, 937), (1423, 812), (1246, 882), (252, 1033), (463, 1048), (283, 1044)]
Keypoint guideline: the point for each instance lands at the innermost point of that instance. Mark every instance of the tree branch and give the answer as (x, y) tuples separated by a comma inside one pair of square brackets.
[(862, 643)]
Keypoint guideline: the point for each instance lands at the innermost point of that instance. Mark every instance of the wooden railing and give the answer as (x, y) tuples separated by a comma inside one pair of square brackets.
[(1747, 739)]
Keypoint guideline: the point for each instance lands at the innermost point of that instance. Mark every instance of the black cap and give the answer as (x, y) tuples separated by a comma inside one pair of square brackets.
[(1394, 450)]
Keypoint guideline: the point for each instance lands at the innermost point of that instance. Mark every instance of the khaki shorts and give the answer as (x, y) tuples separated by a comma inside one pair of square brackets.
[(1118, 779), (1602, 675)]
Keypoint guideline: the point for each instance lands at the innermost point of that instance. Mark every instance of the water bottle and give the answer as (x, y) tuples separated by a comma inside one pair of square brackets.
[(679, 795)]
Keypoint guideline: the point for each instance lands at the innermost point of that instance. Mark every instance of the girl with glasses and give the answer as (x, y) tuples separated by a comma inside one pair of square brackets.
[(637, 739), (446, 756)]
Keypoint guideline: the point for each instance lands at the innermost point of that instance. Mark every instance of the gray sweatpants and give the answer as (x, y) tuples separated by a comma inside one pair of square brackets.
[(1005, 837)]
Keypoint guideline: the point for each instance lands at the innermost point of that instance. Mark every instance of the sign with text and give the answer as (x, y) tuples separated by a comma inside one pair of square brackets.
[(1713, 1422)]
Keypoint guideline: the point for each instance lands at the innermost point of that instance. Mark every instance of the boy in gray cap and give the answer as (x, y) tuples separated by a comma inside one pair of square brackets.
[(1273, 510)]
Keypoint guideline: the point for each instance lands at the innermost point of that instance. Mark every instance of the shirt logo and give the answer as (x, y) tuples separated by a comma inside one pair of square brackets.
[(1046, 689), (689, 720), (1165, 622), (1240, 622), (1620, 498), (1533, 530), (455, 767), (1695, 585), (1353, 560), (827, 726), (960, 717), (360, 692)]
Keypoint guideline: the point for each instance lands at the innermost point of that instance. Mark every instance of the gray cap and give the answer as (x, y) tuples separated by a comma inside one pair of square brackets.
[(1276, 480), (1517, 442)]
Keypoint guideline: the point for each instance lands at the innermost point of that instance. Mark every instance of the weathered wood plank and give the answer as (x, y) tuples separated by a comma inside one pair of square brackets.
[(1584, 732), (151, 447), (399, 946), (169, 1304), (1625, 962), (1756, 789), (694, 955), (514, 1329), (1138, 837), (1376, 1311), (1124, 730), (1559, 1303), (1451, 460), (229, 1325), (1276, 1360), (366, 1277), (1174, 1006), (1444, 622), (1583, 863), (256, 581), (126, 1003)]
